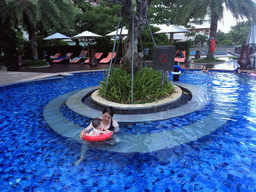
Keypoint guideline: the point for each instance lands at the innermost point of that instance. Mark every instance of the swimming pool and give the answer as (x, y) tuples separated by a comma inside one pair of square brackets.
[(34, 158)]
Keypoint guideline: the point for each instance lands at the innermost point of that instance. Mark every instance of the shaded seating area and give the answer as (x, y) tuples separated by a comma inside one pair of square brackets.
[(97, 56), (62, 59), (80, 58), (181, 60), (108, 58)]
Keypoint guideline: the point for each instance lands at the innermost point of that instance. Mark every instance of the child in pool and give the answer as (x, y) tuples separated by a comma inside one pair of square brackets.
[(96, 127), (237, 70)]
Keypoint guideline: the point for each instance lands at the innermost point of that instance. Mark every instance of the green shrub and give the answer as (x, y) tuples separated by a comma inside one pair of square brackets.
[(226, 43), (35, 63), (208, 60), (147, 86)]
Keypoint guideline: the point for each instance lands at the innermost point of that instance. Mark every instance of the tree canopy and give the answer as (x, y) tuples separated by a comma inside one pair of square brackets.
[(45, 17), (180, 11), (31, 15)]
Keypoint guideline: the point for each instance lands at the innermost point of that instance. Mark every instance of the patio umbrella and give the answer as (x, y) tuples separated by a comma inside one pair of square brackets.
[(251, 39), (171, 29), (123, 34), (56, 36), (113, 33), (86, 35)]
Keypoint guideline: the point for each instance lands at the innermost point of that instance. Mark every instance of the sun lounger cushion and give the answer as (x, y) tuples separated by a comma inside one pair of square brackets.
[(67, 56), (108, 58), (97, 55), (55, 56), (181, 60)]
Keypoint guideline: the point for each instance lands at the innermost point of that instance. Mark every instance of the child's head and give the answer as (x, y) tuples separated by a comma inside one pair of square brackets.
[(96, 123)]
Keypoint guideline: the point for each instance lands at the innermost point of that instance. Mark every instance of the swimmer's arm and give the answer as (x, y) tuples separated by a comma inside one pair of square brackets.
[(116, 126), (85, 130), (116, 129)]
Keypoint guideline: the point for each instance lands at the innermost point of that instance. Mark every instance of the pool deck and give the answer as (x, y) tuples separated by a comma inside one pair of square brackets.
[(30, 74)]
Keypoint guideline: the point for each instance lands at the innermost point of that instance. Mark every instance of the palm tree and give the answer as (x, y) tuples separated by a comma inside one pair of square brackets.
[(30, 14), (140, 18), (179, 12), (215, 8)]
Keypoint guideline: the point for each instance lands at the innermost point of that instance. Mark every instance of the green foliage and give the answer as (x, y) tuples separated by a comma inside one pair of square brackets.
[(226, 43), (97, 19), (147, 42), (27, 51), (35, 63), (147, 86), (200, 40), (173, 12), (10, 37), (220, 36), (32, 15), (209, 60), (100, 20), (238, 35)]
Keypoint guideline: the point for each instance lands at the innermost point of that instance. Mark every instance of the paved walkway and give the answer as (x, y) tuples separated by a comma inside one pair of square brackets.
[(28, 74)]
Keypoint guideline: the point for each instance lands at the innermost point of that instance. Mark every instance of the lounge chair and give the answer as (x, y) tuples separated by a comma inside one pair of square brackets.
[(108, 58), (181, 60), (80, 58), (61, 59), (97, 55), (53, 57)]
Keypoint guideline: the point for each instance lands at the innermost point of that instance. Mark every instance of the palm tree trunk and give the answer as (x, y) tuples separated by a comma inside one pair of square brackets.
[(139, 24), (213, 30), (32, 35)]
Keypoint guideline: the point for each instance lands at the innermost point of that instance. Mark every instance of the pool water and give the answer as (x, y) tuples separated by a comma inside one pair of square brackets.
[(35, 158)]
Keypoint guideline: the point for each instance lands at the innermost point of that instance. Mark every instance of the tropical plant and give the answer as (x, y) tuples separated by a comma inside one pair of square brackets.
[(30, 14), (215, 8), (220, 36), (35, 63), (226, 43), (97, 19), (179, 12), (200, 40), (131, 9), (239, 33), (148, 86)]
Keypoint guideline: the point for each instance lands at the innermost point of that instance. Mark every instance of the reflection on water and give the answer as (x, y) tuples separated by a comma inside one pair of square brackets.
[(230, 64)]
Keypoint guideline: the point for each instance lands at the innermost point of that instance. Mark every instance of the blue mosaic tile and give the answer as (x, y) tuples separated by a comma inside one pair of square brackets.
[(33, 157)]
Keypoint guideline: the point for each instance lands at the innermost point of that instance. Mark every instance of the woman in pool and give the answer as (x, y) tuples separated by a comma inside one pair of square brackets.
[(204, 69), (108, 123)]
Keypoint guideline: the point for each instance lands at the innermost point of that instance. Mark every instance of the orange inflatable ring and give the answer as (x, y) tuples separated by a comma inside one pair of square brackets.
[(101, 137)]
